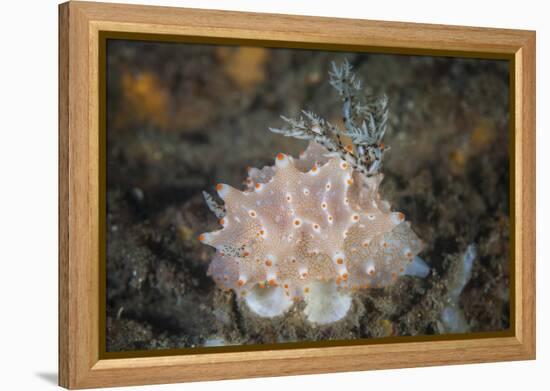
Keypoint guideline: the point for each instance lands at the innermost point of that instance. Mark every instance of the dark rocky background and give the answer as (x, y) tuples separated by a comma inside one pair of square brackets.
[(182, 118)]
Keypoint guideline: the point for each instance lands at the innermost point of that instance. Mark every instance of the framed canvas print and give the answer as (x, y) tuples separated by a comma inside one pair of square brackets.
[(248, 195)]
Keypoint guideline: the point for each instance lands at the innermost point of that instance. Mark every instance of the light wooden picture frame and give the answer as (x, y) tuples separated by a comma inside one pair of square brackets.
[(83, 30)]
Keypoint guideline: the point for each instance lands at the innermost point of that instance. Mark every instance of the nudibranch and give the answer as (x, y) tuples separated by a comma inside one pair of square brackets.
[(312, 228)]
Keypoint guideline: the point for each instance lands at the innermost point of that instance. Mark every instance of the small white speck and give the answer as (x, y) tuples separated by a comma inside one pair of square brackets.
[(370, 268)]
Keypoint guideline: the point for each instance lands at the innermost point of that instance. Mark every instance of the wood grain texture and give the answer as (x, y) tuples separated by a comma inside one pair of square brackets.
[(80, 365), (527, 285), (64, 353)]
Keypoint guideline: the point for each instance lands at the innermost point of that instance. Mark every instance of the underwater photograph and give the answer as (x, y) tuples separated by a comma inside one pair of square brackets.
[(260, 196)]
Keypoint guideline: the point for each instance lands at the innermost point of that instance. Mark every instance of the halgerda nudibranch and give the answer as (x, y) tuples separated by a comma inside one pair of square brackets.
[(315, 228)]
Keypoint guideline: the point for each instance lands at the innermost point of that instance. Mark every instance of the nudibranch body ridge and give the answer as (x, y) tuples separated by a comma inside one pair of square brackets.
[(309, 228)]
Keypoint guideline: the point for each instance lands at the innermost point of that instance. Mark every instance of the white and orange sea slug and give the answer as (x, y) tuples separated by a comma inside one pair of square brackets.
[(315, 228), (309, 228)]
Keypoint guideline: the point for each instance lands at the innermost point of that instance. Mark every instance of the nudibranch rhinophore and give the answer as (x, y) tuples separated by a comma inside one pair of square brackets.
[(313, 228)]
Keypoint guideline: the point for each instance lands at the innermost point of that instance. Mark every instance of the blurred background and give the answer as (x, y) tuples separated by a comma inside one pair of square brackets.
[(183, 117)]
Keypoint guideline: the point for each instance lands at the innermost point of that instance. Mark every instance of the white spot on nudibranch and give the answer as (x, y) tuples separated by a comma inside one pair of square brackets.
[(282, 160), (369, 268), (262, 233), (397, 217)]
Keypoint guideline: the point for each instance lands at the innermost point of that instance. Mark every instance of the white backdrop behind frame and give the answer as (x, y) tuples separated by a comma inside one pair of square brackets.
[(29, 203)]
